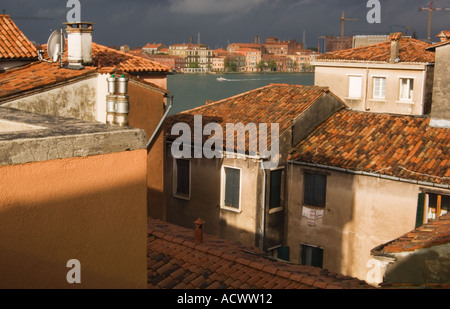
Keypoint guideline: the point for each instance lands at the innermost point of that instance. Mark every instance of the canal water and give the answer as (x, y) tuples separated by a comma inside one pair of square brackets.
[(194, 90)]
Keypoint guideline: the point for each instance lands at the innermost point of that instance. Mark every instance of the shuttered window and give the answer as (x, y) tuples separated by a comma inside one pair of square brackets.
[(355, 83), (379, 87), (315, 189), (275, 189), (183, 178), (406, 89), (312, 256), (232, 187)]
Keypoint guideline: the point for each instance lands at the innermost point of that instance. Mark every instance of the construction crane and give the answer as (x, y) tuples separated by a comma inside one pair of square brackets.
[(430, 10), (343, 20)]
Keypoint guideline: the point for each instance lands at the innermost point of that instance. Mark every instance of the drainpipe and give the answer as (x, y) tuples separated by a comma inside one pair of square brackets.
[(263, 214), (169, 107)]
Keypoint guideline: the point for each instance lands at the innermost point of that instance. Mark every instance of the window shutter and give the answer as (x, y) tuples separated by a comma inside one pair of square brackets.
[(275, 189), (320, 190), (183, 177), (232, 187), (284, 253), (420, 210), (309, 189), (355, 83), (317, 257)]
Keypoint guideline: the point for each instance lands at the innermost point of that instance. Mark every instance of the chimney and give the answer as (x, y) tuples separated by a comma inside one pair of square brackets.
[(395, 47), (191, 41), (79, 41), (444, 36), (199, 227), (440, 106), (256, 39)]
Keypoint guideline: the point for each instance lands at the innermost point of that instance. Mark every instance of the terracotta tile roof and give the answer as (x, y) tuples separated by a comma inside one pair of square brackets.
[(103, 56), (275, 103), (175, 261), (434, 233), (411, 51), (37, 75), (109, 60), (400, 146), (13, 43)]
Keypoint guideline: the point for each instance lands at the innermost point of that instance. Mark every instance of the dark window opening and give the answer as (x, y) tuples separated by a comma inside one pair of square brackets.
[(312, 256), (431, 206), (315, 189), (183, 178)]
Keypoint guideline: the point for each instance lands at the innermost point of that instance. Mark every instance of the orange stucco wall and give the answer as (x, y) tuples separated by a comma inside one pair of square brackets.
[(147, 108), (91, 209)]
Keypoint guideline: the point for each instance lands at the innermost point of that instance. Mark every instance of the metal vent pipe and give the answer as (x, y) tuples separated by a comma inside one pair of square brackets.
[(123, 102)]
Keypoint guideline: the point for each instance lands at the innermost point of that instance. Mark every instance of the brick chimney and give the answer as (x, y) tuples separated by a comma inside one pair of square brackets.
[(199, 227), (395, 47), (256, 39), (79, 41)]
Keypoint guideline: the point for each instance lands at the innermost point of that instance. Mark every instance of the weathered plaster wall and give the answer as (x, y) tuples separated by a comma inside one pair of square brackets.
[(425, 266), (361, 213), (147, 107), (441, 100), (73, 100), (205, 200), (92, 209)]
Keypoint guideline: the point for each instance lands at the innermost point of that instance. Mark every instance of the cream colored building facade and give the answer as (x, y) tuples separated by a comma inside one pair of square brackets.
[(379, 87)]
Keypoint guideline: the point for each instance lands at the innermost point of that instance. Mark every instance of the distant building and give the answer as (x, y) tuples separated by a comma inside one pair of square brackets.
[(252, 58), (276, 47), (392, 77), (365, 40), (174, 62), (198, 57), (330, 44), (153, 48)]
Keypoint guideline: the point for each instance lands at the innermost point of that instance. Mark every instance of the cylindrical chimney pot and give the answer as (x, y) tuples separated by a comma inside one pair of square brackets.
[(199, 227)]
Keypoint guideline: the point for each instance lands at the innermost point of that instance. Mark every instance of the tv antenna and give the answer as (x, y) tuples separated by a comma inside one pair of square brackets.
[(55, 47)]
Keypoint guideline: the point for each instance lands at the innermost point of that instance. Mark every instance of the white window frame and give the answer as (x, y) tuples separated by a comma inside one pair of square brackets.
[(409, 100), (223, 189), (350, 97), (378, 96), (175, 180)]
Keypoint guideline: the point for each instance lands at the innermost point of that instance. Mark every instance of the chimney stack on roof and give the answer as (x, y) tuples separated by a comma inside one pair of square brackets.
[(444, 36), (395, 47), (79, 40), (199, 227)]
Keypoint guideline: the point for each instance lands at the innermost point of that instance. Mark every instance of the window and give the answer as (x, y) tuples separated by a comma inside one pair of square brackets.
[(379, 87), (406, 89), (182, 178), (431, 206), (354, 90), (232, 188), (312, 256), (275, 189), (315, 189)]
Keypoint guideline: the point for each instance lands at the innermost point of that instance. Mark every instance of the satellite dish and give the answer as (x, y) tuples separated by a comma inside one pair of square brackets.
[(55, 45)]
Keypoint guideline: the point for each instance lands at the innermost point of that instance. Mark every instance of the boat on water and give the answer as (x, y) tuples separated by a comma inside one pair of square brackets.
[(221, 79)]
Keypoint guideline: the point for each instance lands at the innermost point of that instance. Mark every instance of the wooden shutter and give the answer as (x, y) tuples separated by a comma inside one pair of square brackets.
[(317, 257), (355, 83), (320, 190), (309, 189), (183, 177), (275, 189), (232, 187), (284, 253), (420, 210)]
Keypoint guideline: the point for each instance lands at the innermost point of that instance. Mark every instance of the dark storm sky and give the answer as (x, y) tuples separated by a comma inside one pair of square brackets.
[(137, 22)]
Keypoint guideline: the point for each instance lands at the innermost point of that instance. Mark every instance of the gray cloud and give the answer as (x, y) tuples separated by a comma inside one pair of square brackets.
[(137, 22)]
